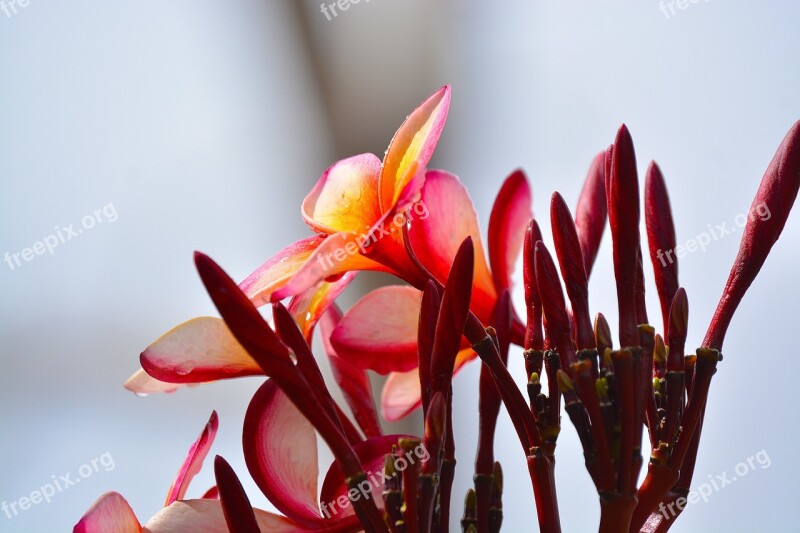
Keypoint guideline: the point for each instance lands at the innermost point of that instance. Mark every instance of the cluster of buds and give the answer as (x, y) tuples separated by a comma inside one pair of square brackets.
[(611, 395)]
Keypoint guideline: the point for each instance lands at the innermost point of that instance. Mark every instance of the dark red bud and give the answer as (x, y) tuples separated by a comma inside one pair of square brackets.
[(592, 211), (623, 215), (767, 216), (570, 259)]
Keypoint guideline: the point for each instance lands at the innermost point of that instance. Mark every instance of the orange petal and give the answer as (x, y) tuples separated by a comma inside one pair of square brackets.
[(436, 238), (378, 248), (111, 512), (202, 349), (414, 141), (401, 391), (346, 196), (279, 269), (207, 516), (307, 307), (380, 331)]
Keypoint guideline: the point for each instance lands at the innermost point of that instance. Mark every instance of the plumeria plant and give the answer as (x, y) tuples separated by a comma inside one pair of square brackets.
[(397, 216)]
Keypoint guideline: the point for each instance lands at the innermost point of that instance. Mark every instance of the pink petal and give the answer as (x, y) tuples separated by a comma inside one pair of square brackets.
[(353, 381), (436, 238), (371, 454), (401, 391), (206, 516), (194, 460), (380, 331), (307, 307), (278, 270), (280, 449), (401, 395), (337, 254), (111, 512), (346, 196), (509, 219), (415, 141), (143, 384), (202, 349)]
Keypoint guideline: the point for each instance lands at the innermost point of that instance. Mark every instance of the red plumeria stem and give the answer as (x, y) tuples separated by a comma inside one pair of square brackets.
[(447, 472), (587, 392), (521, 416), (543, 485), (488, 409), (624, 372), (541, 466), (662, 477), (410, 481), (644, 396), (489, 403), (615, 512), (705, 368)]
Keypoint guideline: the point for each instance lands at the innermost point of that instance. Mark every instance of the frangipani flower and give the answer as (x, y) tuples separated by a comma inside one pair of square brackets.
[(349, 208), (363, 211)]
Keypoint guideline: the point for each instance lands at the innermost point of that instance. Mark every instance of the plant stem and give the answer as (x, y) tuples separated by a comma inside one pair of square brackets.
[(542, 469)]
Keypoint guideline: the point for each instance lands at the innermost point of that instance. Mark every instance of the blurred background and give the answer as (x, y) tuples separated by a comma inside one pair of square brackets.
[(204, 124)]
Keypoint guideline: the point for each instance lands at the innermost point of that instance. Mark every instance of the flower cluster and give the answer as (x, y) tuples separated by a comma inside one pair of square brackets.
[(454, 307)]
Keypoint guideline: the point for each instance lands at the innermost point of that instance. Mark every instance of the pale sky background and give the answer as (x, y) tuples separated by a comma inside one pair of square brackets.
[(205, 123)]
